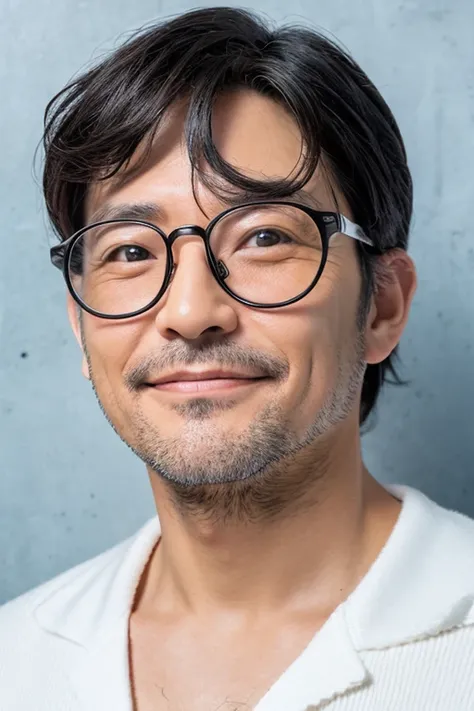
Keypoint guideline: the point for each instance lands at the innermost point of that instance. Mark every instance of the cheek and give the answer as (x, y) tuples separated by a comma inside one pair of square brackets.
[(319, 336), (314, 356), (110, 345), (341, 292)]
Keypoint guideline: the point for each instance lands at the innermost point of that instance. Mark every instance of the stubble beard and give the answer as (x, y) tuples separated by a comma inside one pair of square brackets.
[(256, 475)]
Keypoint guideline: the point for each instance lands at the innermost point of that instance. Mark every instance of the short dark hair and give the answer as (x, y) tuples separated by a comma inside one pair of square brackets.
[(95, 124)]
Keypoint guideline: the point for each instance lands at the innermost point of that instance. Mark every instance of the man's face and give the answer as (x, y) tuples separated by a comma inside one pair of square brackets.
[(311, 352)]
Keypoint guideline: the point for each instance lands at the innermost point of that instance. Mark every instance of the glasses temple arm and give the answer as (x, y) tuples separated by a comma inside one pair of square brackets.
[(350, 229)]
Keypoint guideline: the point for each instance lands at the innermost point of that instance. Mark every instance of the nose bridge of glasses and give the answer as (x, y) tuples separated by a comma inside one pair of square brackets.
[(186, 231), (196, 231)]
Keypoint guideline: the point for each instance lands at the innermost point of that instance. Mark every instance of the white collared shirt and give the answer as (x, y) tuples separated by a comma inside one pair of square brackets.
[(402, 641)]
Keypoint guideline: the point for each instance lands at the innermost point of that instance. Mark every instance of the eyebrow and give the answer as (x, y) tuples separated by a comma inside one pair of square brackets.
[(152, 211), (147, 211)]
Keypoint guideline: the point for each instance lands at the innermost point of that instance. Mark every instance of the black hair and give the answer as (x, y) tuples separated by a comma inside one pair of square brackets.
[(96, 123)]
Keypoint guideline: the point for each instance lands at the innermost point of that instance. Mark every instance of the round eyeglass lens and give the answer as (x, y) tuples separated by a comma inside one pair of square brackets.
[(118, 268), (267, 254)]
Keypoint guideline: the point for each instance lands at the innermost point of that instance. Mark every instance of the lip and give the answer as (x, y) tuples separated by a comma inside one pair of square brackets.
[(205, 382), (203, 375), (206, 387)]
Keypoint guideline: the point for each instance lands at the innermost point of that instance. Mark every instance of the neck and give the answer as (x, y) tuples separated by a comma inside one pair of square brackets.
[(314, 552)]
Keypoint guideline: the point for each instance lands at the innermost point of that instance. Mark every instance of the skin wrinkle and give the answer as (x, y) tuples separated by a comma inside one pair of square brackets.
[(242, 486), (268, 516), (271, 468), (252, 486), (250, 481)]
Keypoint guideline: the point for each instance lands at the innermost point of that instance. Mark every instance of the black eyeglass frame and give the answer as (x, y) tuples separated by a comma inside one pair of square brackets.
[(328, 223)]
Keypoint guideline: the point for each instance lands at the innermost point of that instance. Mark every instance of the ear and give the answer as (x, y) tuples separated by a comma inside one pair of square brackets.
[(394, 287), (73, 314)]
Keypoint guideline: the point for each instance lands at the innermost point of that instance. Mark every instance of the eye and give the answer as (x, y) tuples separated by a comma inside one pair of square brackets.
[(129, 253), (265, 237)]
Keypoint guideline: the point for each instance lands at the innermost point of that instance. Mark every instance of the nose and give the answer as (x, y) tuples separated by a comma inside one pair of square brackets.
[(194, 304)]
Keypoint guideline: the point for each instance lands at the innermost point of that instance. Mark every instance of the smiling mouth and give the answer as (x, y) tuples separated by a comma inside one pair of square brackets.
[(206, 386)]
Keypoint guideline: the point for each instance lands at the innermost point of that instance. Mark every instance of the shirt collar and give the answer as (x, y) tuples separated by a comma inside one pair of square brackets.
[(90, 600), (420, 584)]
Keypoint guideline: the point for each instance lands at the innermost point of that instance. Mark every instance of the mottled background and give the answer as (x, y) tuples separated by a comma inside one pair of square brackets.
[(68, 487)]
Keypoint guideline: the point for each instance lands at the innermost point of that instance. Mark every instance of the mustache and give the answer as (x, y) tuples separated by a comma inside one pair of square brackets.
[(178, 355)]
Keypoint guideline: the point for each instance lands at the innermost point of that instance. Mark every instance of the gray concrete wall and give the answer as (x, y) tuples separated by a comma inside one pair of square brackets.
[(68, 487)]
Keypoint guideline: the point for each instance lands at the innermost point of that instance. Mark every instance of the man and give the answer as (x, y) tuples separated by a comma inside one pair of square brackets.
[(233, 205)]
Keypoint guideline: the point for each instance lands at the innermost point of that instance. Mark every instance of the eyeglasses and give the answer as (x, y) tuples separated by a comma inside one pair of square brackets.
[(263, 254)]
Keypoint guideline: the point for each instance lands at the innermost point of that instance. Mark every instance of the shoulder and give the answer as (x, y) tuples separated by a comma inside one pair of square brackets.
[(436, 537), (83, 579), (48, 630), (19, 611), (75, 599), (456, 523), (33, 663), (432, 555), (446, 520)]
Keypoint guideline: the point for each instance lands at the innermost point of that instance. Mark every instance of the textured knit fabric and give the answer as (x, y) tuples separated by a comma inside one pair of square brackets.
[(402, 641)]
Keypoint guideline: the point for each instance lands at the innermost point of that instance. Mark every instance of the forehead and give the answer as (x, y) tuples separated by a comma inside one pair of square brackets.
[(253, 133)]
